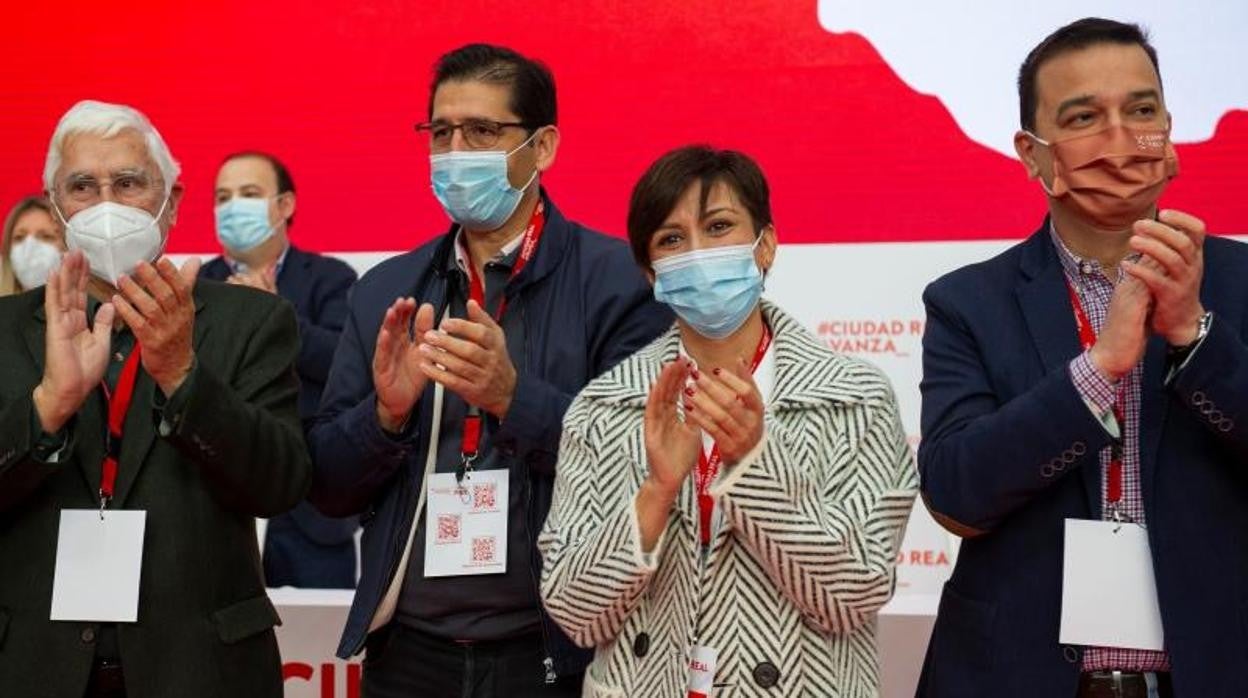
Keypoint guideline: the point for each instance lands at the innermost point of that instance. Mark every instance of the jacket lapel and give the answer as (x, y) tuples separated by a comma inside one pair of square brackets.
[(293, 276), (1045, 302), (141, 420), (1153, 405)]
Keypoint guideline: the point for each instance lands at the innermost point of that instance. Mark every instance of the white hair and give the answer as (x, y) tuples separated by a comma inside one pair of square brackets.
[(107, 120)]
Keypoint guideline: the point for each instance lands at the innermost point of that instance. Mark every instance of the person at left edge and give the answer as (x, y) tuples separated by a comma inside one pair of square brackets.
[(210, 440), (32, 245), (401, 396), (255, 209)]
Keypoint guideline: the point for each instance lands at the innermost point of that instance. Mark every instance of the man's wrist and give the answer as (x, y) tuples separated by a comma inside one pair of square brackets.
[(52, 413), (499, 409), (391, 423), (1192, 332), (170, 382), (1102, 366)]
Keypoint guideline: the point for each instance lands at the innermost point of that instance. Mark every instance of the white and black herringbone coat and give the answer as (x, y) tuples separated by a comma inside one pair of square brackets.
[(805, 556)]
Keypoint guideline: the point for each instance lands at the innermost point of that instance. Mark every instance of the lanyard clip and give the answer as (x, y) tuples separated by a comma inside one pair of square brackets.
[(464, 472), (1119, 518), (465, 467)]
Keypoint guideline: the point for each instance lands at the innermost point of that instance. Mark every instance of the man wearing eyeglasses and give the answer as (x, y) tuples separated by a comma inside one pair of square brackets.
[(146, 419), (444, 440)]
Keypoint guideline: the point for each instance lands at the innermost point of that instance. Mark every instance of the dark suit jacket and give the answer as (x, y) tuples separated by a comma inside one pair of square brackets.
[(580, 306), (305, 548), (233, 452), (1010, 451), (316, 285)]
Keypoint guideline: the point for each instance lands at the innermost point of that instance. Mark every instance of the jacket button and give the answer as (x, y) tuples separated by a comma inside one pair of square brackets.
[(641, 645), (88, 635), (766, 675), (1071, 654)]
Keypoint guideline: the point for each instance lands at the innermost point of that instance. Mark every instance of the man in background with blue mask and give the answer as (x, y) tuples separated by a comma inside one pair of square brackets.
[(441, 421), (147, 417), (255, 207)]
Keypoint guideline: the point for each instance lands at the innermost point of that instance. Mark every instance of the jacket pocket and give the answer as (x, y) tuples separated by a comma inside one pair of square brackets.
[(961, 649), (593, 689), (245, 618)]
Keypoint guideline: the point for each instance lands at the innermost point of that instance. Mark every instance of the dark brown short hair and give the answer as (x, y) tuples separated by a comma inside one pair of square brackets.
[(658, 190), (531, 82), (1077, 35), (285, 183)]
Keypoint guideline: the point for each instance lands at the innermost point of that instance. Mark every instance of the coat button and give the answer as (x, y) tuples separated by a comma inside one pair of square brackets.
[(1071, 654), (766, 675), (641, 645), (88, 635)]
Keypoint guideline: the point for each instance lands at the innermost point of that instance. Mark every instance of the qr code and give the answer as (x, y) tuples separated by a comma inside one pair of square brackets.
[(483, 496), (448, 528), (483, 549)]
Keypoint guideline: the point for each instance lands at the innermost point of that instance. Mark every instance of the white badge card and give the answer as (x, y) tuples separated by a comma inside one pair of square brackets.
[(466, 524), (702, 662), (1109, 596), (99, 556)]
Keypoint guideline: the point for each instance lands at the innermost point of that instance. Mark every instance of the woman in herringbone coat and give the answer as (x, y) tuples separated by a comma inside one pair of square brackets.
[(729, 500)]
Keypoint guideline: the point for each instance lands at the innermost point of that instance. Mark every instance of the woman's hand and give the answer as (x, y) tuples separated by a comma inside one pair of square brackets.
[(672, 445), (672, 449), (726, 405)]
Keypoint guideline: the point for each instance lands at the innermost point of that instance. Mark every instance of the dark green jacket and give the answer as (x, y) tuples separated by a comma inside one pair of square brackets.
[(231, 450)]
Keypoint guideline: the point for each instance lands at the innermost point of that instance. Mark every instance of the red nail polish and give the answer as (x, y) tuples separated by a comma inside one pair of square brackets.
[(695, 373), (716, 371), (688, 407), (689, 392)]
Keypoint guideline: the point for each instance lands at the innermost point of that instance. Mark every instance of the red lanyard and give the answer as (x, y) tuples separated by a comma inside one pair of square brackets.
[(118, 405), (1087, 338), (708, 466), (470, 444)]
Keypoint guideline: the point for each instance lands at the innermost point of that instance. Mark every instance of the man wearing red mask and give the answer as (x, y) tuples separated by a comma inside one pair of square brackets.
[(1085, 398)]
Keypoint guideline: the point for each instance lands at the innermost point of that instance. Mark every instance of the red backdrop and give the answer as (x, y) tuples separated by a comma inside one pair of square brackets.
[(853, 154)]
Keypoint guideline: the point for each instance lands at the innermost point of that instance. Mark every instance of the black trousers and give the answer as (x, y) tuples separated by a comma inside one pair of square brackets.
[(401, 662)]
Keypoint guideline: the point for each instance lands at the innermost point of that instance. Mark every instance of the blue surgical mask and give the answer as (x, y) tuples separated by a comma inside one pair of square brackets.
[(243, 223), (473, 187), (713, 290)]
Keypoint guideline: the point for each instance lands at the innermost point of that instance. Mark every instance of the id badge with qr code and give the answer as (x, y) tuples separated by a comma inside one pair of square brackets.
[(466, 524)]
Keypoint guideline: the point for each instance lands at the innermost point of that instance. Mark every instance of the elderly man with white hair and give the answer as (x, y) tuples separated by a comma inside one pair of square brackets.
[(145, 421)]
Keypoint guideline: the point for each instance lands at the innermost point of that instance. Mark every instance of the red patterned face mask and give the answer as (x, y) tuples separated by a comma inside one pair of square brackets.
[(1113, 176)]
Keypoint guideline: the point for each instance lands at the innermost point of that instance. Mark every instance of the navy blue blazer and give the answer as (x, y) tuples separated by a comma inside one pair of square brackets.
[(581, 305), (303, 547), (1010, 451)]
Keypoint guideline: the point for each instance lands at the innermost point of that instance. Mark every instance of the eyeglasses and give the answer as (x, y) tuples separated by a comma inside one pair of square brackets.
[(129, 188), (479, 134)]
